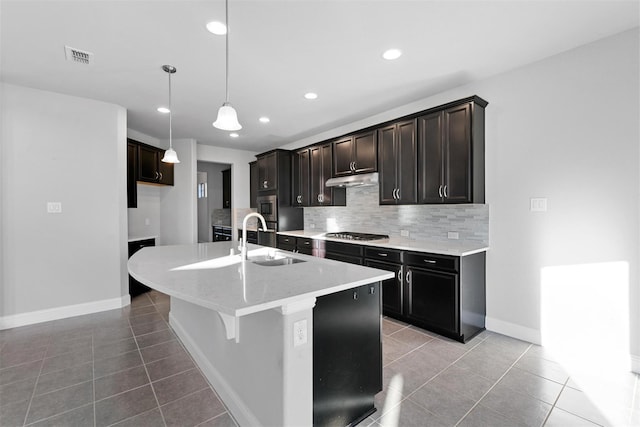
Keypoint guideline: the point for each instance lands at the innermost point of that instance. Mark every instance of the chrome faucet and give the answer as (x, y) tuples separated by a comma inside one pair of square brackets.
[(243, 241)]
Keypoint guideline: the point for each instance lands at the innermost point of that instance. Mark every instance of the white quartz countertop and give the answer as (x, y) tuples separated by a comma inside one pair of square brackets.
[(206, 274), (450, 247), (138, 238)]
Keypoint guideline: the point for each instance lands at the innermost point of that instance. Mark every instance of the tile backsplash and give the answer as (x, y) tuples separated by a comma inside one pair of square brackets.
[(432, 222), (221, 217)]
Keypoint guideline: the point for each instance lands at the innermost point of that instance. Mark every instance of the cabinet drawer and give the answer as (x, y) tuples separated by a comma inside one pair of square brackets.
[(432, 261), (286, 240), (388, 255), (343, 248), (304, 242)]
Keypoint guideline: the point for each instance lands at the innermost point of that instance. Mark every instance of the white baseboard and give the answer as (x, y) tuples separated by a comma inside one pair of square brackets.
[(32, 317), (513, 330), (242, 414)]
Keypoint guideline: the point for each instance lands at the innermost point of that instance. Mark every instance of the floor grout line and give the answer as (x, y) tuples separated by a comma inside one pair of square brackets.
[(155, 396), (35, 386)]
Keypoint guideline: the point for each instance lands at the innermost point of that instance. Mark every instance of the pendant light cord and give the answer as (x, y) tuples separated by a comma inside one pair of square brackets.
[(170, 113), (226, 38)]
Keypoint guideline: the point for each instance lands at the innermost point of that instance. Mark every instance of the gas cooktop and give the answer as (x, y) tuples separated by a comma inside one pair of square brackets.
[(348, 235)]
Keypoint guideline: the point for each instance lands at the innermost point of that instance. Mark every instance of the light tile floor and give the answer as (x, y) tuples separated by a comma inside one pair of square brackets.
[(127, 368)]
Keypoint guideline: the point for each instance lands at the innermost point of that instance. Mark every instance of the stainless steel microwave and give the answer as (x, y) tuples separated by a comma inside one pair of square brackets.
[(268, 208)]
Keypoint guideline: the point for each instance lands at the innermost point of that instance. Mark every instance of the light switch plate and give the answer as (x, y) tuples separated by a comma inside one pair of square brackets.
[(404, 233), (453, 235), (538, 204), (54, 207)]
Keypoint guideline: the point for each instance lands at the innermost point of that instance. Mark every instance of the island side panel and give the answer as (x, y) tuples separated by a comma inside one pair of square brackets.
[(263, 379)]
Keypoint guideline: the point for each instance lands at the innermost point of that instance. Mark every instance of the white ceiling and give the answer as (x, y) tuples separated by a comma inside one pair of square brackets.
[(281, 49)]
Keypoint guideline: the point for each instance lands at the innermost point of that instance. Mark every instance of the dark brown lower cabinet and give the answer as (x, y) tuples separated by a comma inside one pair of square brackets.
[(135, 287), (392, 295), (445, 294), (347, 356)]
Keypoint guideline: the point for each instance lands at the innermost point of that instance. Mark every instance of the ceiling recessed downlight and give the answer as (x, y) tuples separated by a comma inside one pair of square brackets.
[(217, 28), (264, 119), (310, 95), (163, 110), (392, 54), (234, 135)]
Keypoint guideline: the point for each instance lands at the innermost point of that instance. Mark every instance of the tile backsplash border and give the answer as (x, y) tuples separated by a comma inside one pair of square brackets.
[(422, 222)]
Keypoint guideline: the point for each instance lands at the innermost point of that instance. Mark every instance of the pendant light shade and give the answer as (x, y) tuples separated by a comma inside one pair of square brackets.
[(227, 116), (170, 156)]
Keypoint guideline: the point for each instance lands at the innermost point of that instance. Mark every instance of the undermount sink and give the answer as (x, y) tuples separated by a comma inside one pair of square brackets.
[(275, 260)]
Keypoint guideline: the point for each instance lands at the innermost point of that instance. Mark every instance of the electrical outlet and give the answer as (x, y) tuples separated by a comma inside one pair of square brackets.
[(404, 233), (54, 207), (453, 235), (300, 332), (147, 221), (312, 226)]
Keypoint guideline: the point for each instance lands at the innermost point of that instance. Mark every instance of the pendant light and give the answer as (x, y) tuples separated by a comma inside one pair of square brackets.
[(170, 156), (227, 116)]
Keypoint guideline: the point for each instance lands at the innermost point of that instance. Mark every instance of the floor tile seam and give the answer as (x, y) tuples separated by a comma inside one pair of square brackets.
[(565, 386), (176, 374), (161, 342), (172, 375), (217, 416), (35, 386), (492, 387), (435, 414), (93, 376), (548, 379), (208, 387), (131, 417), (60, 413), (153, 390)]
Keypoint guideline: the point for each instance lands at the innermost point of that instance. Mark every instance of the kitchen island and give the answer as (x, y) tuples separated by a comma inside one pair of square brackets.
[(285, 339)]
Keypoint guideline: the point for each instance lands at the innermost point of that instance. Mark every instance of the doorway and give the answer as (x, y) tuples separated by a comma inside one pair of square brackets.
[(214, 198)]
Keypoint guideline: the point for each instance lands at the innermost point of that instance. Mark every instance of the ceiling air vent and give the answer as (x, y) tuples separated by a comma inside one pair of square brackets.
[(77, 55)]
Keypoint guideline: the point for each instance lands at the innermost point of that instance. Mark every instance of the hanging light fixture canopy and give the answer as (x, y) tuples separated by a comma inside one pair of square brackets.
[(227, 116), (170, 156)]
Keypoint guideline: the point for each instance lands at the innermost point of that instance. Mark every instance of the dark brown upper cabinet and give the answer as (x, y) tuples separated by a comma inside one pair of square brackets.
[(132, 163), (151, 169), (226, 188), (355, 154), (398, 163), (451, 154), (268, 171), (253, 184), (321, 166), (302, 177)]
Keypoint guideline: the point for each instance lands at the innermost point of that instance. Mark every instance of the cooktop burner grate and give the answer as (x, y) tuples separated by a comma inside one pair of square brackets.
[(348, 235)]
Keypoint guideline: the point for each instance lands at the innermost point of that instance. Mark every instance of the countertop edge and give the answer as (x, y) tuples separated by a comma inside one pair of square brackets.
[(398, 243)]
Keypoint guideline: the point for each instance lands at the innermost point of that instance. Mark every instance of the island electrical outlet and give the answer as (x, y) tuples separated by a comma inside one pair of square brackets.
[(300, 332)]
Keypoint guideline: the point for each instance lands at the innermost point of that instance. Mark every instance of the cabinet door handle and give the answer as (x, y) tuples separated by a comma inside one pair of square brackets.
[(400, 275), (409, 277), (160, 176), (394, 194), (265, 184), (157, 175), (398, 193), (429, 261), (445, 192), (440, 191), (382, 254), (307, 243), (355, 294)]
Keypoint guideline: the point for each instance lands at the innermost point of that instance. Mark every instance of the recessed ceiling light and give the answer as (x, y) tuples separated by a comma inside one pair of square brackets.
[(310, 95), (392, 54), (163, 110), (234, 135), (217, 28), (264, 119)]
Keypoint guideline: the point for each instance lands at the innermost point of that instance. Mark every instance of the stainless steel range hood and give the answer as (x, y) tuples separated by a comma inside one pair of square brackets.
[(354, 180)]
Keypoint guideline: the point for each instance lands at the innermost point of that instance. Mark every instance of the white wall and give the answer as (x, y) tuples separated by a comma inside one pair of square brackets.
[(564, 128), (58, 148), (178, 204)]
